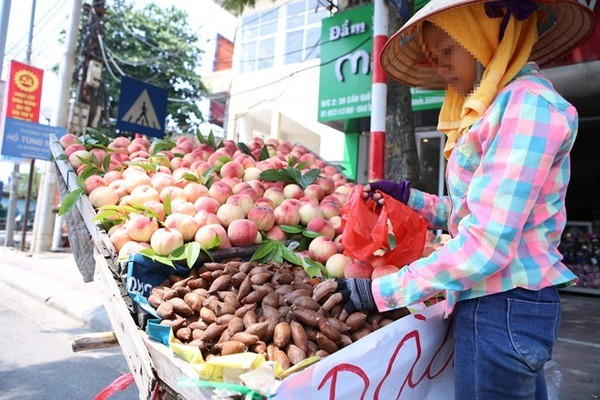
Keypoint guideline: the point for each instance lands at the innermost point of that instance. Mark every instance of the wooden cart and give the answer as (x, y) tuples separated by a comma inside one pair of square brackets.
[(152, 364)]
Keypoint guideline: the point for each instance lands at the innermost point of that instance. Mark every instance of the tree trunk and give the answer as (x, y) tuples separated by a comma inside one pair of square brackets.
[(401, 160)]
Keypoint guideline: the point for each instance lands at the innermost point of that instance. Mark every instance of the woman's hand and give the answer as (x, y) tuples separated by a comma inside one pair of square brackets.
[(399, 191)]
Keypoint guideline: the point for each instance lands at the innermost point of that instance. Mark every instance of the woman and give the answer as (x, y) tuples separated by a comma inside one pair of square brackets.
[(509, 134)]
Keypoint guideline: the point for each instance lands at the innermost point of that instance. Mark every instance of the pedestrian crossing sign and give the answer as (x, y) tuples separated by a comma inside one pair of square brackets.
[(142, 108)]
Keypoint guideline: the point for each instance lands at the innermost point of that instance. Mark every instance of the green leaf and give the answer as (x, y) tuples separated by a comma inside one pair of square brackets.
[(208, 173), (245, 149), (108, 215), (264, 250), (311, 234), (61, 157), (192, 252), (190, 177), (167, 205), (158, 147), (304, 243), (216, 242), (146, 166), (70, 201), (177, 254), (180, 155), (153, 256), (291, 229), (264, 154), (290, 256), (106, 163), (276, 175), (313, 268), (300, 166), (88, 171), (199, 136), (309, 177), (294, 173), (211, 140), (277, 254)]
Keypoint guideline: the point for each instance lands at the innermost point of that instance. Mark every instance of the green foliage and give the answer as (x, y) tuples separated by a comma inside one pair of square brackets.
[(154, 44), (187, 254), (291, 175), (70, 201)]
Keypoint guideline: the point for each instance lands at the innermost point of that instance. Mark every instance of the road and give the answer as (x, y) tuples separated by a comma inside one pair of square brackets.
[(36, 359)]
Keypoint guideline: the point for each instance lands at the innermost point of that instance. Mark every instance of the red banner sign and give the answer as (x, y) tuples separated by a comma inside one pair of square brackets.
[(24, 95)]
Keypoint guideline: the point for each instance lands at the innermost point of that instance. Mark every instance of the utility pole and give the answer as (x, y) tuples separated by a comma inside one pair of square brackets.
[(14, 189), (3, 32), (85, 110), (44, 218)]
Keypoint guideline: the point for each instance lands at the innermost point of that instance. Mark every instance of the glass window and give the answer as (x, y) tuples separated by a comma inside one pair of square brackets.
[(293, 46), (258, 40), (303, 30)]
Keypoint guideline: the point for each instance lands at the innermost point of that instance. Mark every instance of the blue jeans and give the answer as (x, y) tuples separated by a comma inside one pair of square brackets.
[(502, 342)]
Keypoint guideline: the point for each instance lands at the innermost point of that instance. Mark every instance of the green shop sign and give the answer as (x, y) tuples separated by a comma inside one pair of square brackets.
[(423, 99), (346, 77)]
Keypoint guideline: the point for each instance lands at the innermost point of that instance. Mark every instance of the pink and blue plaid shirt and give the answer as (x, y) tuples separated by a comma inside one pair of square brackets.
[(507, 180)]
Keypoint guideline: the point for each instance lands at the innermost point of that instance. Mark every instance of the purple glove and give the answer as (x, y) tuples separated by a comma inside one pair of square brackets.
[(400, 191)]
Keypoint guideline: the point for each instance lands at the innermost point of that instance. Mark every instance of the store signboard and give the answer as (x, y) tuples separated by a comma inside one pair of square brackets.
[(24, 95), (423, 99), (346, 71), (21, 136)]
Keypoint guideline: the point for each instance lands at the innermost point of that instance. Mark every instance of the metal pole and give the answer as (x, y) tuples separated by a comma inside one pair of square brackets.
[(32, 163), (3, 32), (44, 217), (378, 93)]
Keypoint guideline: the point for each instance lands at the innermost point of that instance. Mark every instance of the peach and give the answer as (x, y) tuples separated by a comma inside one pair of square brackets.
[(136, 179), (263, 201), (119, 238), (384, 270), (220, 191), (208, 204), (292, 191), (184, 223), (326, 184), (242, 200), (314, 191), (212, 236), (321, 248), (242, 232), (336, 264), (322, 226), (232, 169), (262, 216), (111, 176), (73, 148), (240, 186), (275, 195), (103, 196), (357, 269), (251, 174), (183, 207), (119, 186), (79, 157), (246, 161), (141, 227), (309, 211), (131, 247), (174, 193), (157, 207), (275, 233), (203, 217), (336, 222), (161, 180), (329, 209), (68, 139), (93, 182), (165, 241), (143, 194), (286, 214), (227, 213)]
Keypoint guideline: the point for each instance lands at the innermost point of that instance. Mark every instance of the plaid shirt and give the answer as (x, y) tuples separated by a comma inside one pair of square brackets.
[(507, 180)]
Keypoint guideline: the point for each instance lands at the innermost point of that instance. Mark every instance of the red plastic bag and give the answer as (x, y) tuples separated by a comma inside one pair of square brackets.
[(365, 229)]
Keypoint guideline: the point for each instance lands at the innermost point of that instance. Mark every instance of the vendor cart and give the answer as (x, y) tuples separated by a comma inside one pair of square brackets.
[(414, 354)]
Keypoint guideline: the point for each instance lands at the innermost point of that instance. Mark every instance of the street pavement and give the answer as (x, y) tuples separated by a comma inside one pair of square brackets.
[(53, 278)]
